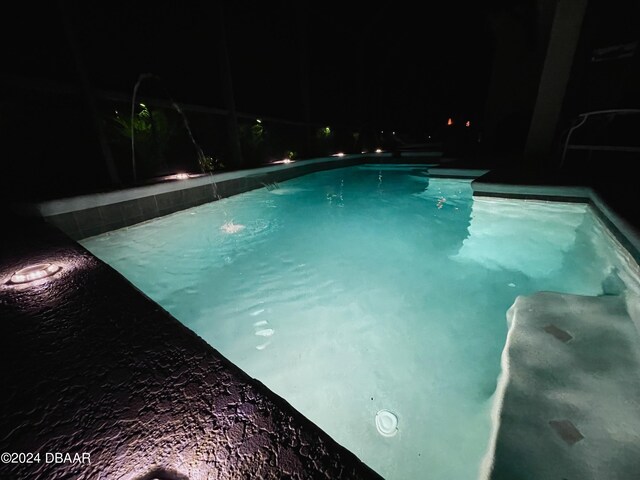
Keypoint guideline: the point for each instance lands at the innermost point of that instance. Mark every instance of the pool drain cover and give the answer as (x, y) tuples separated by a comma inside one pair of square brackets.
[(386, 423)]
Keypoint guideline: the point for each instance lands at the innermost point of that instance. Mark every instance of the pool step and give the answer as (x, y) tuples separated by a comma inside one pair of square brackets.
[(568, 400)]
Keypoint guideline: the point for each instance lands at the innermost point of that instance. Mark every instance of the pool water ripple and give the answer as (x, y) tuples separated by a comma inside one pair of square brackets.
[(369, 288)]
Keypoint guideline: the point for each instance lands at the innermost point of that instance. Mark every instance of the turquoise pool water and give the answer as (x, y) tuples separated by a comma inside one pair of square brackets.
[(366, 288)]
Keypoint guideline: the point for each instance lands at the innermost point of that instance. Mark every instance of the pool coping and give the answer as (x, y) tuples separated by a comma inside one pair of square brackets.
[(84, 216)]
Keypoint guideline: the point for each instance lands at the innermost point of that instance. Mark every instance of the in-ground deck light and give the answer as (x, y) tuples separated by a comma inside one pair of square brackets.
[(33, 272)]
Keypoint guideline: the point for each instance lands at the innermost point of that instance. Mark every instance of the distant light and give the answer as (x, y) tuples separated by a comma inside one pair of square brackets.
[(450, 121), (181, 176), (116, 112), (393, 133), (378, 150), (363, 151), (286, 160), (258, 120), (143, 105), (468, 124), (381, 131), (34, 272), (339, 154), (429, 136)]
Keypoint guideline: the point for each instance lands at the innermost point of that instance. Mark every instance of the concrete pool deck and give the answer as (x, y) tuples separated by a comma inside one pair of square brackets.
[(93, 366)]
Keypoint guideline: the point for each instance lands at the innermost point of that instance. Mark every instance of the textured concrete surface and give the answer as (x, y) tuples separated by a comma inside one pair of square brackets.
[(91, 366)]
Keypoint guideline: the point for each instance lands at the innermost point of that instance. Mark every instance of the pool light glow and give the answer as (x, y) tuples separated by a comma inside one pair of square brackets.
[(286, 160)]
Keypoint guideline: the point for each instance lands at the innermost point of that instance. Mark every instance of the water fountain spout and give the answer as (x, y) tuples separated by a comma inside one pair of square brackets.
[(177, 108)]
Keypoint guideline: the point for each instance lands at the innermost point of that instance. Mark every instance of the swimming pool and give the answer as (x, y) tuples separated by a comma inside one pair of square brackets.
[(369, 288)]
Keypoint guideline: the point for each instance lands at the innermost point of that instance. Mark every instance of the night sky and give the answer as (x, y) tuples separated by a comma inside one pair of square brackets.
[(389, 65)]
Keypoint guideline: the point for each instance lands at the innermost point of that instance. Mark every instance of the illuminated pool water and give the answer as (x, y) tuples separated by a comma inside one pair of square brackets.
[(369, 288)]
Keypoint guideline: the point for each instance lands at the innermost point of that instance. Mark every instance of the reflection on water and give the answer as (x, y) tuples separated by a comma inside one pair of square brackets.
[(532, 240), (563, 245)]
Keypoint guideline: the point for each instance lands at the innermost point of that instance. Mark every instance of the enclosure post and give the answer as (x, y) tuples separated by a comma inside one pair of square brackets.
[(563, 39), (302, 12), (227, 91)]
